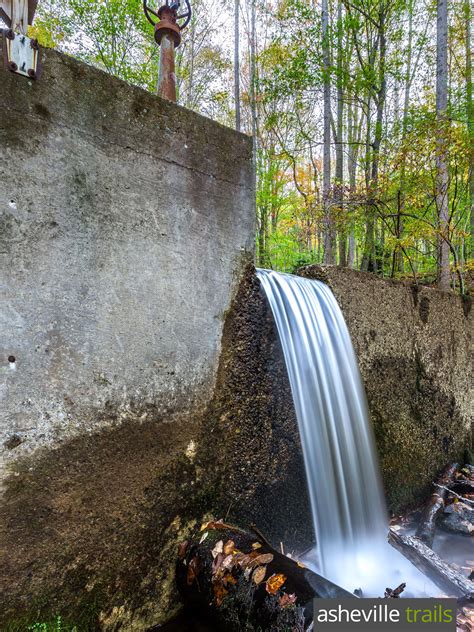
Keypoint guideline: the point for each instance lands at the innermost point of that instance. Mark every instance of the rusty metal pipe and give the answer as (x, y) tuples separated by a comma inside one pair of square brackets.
[(168, 36), (166, 75)]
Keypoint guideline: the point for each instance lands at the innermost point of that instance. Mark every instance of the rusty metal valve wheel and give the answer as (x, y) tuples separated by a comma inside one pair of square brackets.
[(175, 5)]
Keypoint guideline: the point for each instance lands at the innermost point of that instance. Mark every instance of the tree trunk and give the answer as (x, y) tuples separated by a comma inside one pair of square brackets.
[(354, 128), (369, 239), (253, 75), (444, 277), (329, 228), (339, 184), (369, 261), (398, 256), (191, 39), (470, 119), (237, 63)]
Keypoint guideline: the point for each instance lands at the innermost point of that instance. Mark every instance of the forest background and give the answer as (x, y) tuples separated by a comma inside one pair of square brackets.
[(361, 113)]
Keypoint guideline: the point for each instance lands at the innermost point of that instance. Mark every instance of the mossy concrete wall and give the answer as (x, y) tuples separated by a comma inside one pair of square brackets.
[(415, 351)]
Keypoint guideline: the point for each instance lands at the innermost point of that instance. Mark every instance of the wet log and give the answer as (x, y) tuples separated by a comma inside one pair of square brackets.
[(435, 506), (446, 576), (463, 486), (235, 577)]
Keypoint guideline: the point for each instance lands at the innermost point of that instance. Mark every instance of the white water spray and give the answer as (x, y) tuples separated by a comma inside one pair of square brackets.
[(345, 490)]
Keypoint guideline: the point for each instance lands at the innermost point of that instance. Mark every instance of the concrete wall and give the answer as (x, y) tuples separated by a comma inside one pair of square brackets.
[(126, 224)]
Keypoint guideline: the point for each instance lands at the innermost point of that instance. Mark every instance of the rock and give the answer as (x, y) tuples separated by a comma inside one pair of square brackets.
[(458, 518)]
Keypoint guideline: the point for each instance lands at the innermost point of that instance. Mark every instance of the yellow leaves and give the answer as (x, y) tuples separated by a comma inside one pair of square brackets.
[(274, 583)]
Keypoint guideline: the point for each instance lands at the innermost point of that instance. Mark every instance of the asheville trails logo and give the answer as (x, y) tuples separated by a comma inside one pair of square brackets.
[(381, 615)]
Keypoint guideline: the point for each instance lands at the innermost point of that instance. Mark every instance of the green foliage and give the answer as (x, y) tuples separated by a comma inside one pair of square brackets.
[(55, 624)]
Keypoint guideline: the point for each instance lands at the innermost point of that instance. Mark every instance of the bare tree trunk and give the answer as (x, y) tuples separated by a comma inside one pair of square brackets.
[(253, 75), (354, 128), (191, 39), (329, 237), (470, 119), (442, 145), (369, 240), (339, 143), (378, 134), (369, 259), (237, 63), (406, 104)]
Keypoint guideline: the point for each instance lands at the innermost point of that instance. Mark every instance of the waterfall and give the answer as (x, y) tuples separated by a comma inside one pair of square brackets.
[(347, 503)]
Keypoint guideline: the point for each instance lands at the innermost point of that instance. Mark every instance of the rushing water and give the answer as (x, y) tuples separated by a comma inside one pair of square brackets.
[(347, 502)]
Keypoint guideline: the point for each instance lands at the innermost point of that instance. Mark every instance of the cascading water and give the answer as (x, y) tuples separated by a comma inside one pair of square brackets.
[(344, 485)]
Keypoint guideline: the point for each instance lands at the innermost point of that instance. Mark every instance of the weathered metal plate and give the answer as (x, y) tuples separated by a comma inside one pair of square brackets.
[(21, 54)]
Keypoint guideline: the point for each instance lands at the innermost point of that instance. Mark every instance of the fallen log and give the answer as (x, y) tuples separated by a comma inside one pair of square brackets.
[(446, 576), (448, 490), (435, 505), (241, 582), (463, 486), (395, 592)]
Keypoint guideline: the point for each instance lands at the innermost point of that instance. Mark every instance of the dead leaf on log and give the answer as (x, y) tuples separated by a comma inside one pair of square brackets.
[(260, 560), (217, 563), (193, 570), (228, 561), (256, 545), (274, 583), (216, 524), (246, 559), (219, 548), (182, 548), (229, 547), (259, 575), (228, 579), (219, 593), (287, 600)]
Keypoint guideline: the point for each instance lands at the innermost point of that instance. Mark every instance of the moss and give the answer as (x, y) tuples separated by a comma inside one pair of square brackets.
[(41, 616)]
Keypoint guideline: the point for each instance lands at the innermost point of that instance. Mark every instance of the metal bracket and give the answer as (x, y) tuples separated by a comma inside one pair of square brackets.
[(21, 54)]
